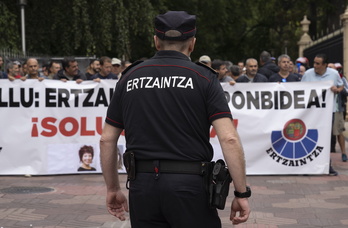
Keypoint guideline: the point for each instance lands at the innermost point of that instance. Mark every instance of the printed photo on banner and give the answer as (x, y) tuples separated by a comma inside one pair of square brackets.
[(73, 158)]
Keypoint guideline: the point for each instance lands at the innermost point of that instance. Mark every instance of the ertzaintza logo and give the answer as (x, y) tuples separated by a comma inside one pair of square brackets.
[(295, 145)]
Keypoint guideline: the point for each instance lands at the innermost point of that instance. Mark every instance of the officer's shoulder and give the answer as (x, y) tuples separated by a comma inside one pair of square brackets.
[(206, 67), (131, 66)]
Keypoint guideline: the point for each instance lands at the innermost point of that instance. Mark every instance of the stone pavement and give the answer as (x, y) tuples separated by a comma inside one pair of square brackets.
[(78, 201)]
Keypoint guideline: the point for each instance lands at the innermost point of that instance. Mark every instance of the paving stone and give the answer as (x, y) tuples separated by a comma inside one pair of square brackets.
[(277, 201)]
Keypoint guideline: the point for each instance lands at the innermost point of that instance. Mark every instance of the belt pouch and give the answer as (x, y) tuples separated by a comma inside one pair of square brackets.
[(129, 163)]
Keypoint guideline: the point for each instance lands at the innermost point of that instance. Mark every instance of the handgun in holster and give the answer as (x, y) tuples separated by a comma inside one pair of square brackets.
[(219, 185), (129, 163)]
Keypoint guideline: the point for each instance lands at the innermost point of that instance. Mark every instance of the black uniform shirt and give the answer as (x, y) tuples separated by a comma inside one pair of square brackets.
[(166, 105)]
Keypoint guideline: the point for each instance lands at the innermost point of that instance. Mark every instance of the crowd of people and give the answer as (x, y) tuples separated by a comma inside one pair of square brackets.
[(266, 69), (65, 70), (286, 70)]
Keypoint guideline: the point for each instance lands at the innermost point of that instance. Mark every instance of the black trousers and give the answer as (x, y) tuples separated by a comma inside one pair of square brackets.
[(171, 201)]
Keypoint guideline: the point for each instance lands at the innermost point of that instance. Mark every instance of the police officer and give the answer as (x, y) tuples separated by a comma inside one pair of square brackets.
[(166, 106)]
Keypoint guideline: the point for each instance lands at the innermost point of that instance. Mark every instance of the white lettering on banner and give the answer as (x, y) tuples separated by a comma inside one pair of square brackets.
[(277, 100), (159, 83)]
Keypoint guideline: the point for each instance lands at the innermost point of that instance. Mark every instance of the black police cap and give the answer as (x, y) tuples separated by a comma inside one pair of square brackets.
[(183, 23)]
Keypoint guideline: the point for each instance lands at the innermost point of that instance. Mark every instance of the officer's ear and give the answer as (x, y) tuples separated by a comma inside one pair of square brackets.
[(192, 44), (157, 43)]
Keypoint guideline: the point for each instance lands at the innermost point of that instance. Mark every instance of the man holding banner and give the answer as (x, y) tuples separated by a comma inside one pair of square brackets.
[(320, 72)]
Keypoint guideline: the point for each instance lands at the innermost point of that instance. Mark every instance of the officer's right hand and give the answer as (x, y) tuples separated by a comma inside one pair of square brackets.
[(116, 203), (240, 205)]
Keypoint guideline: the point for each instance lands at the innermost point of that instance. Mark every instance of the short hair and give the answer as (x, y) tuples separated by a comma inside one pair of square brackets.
[(178, 45), (86, 149), (228, 64), (66, 62), (234, 69), (324, 57), (10, 65), (217, 63), (104, 59), (92, 61), (283, 56), (265, 56), (51, 63), (250, 59)]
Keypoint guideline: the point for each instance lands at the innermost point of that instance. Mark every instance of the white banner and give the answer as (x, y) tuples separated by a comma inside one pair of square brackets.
[(285, 128)]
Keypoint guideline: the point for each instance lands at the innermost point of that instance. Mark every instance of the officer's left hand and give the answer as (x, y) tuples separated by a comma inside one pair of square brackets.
[(240, 205), (116, 203)]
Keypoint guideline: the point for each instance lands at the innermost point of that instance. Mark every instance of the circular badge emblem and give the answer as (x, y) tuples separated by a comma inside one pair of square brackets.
[(295, 141), (294, 130)]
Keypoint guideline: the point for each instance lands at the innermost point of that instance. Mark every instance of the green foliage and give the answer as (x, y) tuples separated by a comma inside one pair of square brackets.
[(9, 36), (227, 29)]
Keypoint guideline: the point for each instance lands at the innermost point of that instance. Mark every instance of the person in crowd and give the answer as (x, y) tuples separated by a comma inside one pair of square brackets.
[(86, 154), (339, 68), (14, 67), (105, 70), (293, 69), (302, 70), (53, 69), (116, 67), (93, 68), (268, 67), (251, 74), (3, 74), (235, 71), (12, 71), (45, 69), (284, 75), (205, 59), (241, 67), (167, 131), (70, 71), (23, 69), (33, 70), (228, 65), (125, 64), (340, 114), (220, 67), (302, 61), (320, 72), (18, 63)]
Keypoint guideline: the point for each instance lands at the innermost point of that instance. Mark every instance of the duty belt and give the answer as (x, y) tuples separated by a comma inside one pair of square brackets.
[(171, 166)]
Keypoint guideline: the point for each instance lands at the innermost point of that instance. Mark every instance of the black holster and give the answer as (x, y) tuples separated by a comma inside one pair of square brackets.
[(129, 163), (219, 185)]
